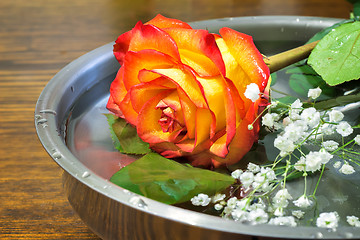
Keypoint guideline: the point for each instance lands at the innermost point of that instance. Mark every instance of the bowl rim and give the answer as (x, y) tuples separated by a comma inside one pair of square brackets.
[(48, 121)]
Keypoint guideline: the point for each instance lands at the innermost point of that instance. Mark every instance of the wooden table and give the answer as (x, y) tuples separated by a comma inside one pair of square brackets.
[(37, 39)]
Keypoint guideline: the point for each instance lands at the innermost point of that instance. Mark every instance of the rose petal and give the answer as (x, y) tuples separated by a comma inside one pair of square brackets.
[(203, 124), (242, 47), (189, 113), (220, 147), (147, 124), (143, 92), (164, 22), (128, 110), (114, 108), (239, 146), (186, 81), (135, 62), (117, 88), (145, 37), (198, 49), (214, 91), (173, 101)]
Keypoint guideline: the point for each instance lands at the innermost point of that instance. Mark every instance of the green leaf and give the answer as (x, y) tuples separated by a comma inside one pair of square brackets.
[(338, 101), (111, 120), (273, 79), (305, 78), (167, 181), (125, 136), (356, 10), (336, 58), (325, 31)]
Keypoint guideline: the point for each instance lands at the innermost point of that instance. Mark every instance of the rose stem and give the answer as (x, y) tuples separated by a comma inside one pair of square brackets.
[(289, 57)]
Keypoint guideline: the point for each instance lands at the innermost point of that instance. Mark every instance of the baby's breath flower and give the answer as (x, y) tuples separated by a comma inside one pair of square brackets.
[(314, 93), (327, 129), (283, 221), (269, 173), (281, 198), (300, 164), (259, 205), (269, 119), (295, 109), (259, 178), (274, 103), (296, 106), (295, 131), (330, 145), (227, 210), (279, 212), (247, 179), (239, 214), (258, 216), (311, 116), (328, 220), (253, 167), (242, 204), (232, 202), (218, 197), (201, 200), (237, 173), (285, 145), (344, 129), (347, 169), (353, 221), (337, 164), (335, 116), (303, 202), (286, 121), (357, 139), (218, 206), (298, 214), (252, 92), (314, 160)]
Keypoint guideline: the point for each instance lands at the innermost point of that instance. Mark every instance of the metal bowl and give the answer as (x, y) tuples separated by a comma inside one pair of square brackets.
[(70, 124)]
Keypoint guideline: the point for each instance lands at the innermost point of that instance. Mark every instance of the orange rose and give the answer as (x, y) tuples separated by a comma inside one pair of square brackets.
[(183, 89)]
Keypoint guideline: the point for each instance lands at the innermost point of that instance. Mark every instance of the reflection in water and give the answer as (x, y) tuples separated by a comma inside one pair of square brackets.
[(97, 157)]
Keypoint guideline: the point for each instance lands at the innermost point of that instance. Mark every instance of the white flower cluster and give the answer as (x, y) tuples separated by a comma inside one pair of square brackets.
[(328, 220), (256, 178), (259, 195), (256, 208), (299, 126)]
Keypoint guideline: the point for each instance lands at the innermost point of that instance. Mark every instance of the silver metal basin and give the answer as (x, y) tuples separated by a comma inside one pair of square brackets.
[(70, 124)]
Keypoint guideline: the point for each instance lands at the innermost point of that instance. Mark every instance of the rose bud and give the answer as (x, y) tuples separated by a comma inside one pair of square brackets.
[(184, 90)]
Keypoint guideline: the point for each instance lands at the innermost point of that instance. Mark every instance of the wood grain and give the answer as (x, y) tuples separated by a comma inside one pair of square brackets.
[(37, 39)]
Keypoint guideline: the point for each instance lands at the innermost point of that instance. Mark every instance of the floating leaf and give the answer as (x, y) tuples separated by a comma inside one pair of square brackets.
[(305, 78), (325, 31), (337, 56), (125, 136), (356, 10), (273, 77), (167, 181)]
